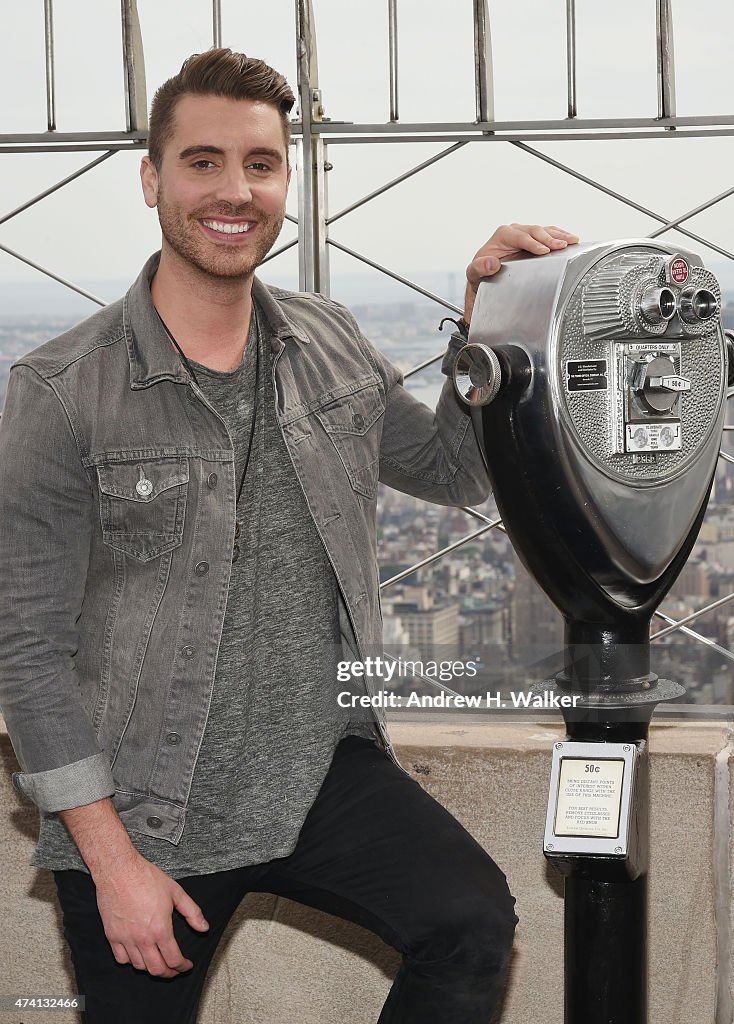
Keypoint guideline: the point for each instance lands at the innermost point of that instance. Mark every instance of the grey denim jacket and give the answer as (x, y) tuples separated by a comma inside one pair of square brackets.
[(117, 513)]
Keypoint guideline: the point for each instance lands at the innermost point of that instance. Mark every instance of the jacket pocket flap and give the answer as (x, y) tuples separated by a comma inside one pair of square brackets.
[(143, 480), (354, 413)]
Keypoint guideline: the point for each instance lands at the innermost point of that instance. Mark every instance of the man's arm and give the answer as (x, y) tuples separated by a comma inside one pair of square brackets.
[(46, 509), (46, 514), (436, 456)]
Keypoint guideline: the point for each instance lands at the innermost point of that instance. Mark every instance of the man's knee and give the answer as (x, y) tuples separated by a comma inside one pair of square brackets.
[(474, 928)]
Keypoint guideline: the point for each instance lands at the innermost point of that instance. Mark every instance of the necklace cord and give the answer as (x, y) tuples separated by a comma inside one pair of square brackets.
[(190, 370)]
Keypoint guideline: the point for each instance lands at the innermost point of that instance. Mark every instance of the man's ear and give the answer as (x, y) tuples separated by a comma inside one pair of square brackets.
[(149, 181)]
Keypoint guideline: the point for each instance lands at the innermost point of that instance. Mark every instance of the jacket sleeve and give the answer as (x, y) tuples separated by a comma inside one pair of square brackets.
[(46, 508), (431, 455)]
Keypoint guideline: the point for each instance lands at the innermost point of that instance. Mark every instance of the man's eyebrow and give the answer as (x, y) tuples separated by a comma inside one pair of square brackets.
[(272, 154), (193, 150)]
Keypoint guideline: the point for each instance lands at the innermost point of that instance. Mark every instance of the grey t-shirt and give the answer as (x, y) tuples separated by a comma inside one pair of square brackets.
[(274, 719)]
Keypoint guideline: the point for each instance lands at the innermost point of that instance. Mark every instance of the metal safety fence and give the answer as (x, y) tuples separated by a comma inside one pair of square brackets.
[(314, 134)]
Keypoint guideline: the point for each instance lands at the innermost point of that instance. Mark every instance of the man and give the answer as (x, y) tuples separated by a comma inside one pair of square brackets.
[(187, 489)]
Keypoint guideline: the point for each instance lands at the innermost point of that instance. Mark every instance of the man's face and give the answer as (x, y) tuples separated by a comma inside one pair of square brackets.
[(222, 183)]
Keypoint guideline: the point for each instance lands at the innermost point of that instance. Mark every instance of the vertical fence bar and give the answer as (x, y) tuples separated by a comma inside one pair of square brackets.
[(48, 11), (313, 263), (392, 11), (571, 55), (483, 77), (133, 60), (666, 59), (217, 22)]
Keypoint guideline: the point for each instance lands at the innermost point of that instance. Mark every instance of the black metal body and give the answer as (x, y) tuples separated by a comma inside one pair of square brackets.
[(607, 616), (604, 537)]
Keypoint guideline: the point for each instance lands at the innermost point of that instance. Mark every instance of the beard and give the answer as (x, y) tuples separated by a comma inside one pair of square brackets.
[(222, 261)]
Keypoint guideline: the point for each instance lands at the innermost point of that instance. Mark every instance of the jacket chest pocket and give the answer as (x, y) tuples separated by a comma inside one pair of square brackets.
[(352, 424), (143, 505)]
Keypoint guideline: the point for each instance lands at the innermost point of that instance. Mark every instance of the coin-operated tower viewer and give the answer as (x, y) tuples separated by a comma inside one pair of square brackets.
[(597, 379)]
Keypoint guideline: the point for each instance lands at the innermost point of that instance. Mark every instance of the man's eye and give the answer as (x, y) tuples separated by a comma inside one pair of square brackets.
[(258, 166), (202, 165)]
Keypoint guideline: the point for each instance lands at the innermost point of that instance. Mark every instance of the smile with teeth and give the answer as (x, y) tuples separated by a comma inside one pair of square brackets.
[(227, 229)]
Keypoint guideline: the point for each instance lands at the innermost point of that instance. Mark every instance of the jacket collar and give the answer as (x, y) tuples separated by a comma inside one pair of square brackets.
[(151, 354)]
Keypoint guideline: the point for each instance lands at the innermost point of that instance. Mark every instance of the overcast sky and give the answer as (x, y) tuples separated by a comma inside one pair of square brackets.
[(99, 226)]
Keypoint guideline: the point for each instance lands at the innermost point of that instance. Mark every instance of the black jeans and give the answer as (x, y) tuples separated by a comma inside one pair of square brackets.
[(375, 849)]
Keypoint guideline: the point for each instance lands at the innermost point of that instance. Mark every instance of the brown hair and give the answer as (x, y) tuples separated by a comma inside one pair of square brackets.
[(217, 72)]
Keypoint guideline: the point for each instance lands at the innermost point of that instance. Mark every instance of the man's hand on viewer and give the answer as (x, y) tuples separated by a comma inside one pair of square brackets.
[(509, 239)]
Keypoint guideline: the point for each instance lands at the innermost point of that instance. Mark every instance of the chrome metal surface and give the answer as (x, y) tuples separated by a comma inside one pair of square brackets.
[(657, 305), (483, 68), (665, 59), (136, 103), (48, 13), (571, 57), (217, 22), (313, 275), (535, 305), (477, 375), (698, 304), (392, 44)]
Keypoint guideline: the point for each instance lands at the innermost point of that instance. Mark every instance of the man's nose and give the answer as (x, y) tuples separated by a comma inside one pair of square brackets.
[(233, 186)]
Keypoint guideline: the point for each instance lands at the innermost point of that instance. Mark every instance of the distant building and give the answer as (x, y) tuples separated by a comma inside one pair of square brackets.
[(534, 621), (433, 631), (694, 579)]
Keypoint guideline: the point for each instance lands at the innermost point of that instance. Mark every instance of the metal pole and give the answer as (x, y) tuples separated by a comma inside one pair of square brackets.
[(217, 22), (55, 277), (395, 277), (666, 59), (613, 986), (571, 55), (392, 10), (605, 912), (136, 104), (48, 11), (56, 187), (483, 76), (312, 164), (396, 181)]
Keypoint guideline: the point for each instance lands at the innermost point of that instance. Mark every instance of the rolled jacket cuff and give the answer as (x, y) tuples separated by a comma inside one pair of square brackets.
[(456, 343), (71, 785)]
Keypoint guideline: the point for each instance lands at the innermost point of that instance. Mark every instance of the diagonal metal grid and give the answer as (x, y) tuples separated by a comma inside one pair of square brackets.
[(313, 135)]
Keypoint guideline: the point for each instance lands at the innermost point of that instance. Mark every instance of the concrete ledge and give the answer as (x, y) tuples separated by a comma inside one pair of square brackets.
[(282, 962)]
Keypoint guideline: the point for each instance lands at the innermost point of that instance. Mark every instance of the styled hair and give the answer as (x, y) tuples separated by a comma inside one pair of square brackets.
[(217, 72)]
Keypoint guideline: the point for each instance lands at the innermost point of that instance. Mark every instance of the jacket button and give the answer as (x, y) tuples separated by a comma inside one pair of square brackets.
[(211, 481), (358, 420), (154, 821), (201, 568), (188, 651), (173, 737)]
